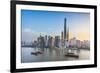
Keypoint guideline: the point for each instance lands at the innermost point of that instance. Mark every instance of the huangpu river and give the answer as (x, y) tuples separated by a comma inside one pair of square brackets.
[(50, 55)]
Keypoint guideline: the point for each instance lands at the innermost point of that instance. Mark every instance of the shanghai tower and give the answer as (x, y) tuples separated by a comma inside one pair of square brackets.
[(65, 29)]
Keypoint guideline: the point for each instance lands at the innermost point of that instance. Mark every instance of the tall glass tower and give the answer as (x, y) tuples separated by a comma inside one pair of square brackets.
[(66, 31)]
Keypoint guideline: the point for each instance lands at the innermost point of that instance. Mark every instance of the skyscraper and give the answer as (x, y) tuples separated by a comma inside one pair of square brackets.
[(50, 41), (66, 34), (62, 36), (64, 29), (57, 41)]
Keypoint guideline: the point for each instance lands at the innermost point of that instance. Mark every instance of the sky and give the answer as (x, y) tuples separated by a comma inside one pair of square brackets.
[(35, 22)]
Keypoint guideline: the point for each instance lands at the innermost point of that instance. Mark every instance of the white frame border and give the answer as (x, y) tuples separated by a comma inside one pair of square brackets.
[(20, 65)]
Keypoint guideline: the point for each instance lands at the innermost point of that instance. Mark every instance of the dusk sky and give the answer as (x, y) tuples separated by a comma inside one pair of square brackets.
[(52, 23)]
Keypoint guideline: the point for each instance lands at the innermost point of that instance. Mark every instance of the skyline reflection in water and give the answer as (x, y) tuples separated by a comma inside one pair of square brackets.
[(50, 55)]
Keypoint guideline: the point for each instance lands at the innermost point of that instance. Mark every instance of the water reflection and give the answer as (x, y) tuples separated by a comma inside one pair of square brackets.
[(47, 54)]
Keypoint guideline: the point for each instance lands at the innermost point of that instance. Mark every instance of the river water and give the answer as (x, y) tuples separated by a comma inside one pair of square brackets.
[(50, 55)]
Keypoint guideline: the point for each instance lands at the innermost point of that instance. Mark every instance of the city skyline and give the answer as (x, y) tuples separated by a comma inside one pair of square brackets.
[(51, 23)]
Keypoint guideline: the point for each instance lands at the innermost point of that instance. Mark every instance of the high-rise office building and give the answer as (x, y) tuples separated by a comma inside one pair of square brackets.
[(57, 41), (50, 41), (46, 41), (66, 33), (62, 39), (65, 29), (41, 42), (62, 36)]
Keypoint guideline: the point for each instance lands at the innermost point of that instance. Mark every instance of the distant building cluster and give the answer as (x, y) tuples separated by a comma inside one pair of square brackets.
[(61, 41)]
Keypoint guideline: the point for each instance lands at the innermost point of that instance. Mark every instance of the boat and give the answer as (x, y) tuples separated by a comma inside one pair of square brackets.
[(71, 55), (36, 53), (72, 52)]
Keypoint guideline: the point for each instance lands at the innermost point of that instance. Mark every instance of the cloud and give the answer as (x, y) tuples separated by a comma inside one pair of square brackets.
[(28, 35)]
